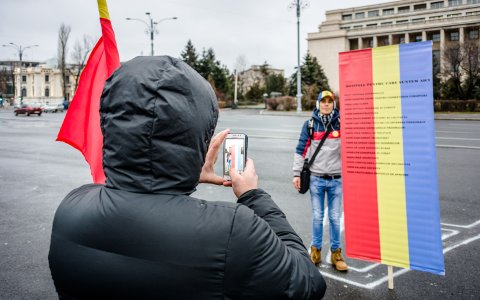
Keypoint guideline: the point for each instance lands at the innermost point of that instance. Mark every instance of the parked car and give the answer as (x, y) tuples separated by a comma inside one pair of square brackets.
[(53, 108), (28, 109)]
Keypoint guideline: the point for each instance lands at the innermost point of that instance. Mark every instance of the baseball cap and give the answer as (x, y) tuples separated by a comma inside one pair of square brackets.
[(324, 94)]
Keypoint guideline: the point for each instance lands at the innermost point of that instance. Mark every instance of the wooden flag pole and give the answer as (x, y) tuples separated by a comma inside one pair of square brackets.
[(390, 277)]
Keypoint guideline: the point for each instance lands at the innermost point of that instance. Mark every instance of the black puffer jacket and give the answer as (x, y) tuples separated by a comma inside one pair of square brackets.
[(141, 236)]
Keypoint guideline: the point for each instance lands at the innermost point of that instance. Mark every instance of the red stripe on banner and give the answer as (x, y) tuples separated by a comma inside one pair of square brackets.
[(359, 163)]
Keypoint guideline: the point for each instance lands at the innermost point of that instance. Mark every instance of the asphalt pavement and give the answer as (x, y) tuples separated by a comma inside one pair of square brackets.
[(36, 173)]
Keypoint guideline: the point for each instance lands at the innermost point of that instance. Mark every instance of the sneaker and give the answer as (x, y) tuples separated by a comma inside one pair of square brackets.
[(315, 255), (337, 260)]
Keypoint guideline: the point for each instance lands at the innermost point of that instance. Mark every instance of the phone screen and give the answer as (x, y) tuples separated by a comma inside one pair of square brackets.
[(234, 153)]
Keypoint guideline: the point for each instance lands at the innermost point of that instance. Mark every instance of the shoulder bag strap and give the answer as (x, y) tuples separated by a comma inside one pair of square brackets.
[(327, 132)]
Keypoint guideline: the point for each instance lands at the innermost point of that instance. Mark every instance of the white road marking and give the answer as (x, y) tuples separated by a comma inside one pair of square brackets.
[(374, 284)]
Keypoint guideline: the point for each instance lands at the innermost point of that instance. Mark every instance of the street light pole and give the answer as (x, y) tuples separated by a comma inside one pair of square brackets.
[(19, 49), (151, 27), (299, 5)]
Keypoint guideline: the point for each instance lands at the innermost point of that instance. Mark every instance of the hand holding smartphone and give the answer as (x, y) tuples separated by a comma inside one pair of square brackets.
[(234, 153)]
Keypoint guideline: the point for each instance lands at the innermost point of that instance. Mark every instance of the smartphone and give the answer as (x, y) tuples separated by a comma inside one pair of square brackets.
[(234, 153)]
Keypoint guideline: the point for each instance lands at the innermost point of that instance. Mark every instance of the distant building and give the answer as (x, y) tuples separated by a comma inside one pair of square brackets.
[(444, 22), (256, 74), (41, 83)]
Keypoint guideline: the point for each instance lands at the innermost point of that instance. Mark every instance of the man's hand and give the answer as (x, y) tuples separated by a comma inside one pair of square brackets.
[(296, 183), (208, 174), (246, 181)]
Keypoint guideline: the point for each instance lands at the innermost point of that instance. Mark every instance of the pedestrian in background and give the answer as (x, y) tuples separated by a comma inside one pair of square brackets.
[(325, 179), (141, 235)]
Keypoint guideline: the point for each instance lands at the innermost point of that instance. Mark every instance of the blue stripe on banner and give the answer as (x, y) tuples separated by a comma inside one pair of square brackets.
[(421, 183)]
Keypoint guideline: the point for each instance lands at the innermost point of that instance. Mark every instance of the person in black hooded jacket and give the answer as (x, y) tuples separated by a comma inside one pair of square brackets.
[(141, 235)]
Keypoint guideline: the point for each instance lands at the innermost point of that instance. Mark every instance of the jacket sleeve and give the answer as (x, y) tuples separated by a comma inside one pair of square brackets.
[(266, 259), (301, 150)]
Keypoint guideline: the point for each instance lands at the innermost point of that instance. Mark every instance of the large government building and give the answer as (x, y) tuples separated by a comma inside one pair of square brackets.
[(443, 22)]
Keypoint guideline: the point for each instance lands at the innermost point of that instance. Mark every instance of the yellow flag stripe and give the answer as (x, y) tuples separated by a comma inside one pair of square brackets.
[(103, 9), (390, 181)]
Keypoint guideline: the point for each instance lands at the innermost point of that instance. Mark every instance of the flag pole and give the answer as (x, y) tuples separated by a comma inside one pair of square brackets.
[(390, 277)]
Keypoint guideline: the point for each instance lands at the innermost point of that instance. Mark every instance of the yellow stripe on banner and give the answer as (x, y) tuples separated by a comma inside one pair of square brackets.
[(103, 9), (392, 211)]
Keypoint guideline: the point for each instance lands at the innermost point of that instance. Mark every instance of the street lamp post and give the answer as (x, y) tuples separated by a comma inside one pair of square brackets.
[(151, 27), (299, 5), (20, 49)]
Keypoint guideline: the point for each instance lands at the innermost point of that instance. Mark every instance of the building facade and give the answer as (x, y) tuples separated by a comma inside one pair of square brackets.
[(444, 22), (256, 74), (42, 84)]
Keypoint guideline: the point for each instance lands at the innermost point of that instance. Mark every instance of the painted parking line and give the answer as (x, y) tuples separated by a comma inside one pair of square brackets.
[(364, 272)]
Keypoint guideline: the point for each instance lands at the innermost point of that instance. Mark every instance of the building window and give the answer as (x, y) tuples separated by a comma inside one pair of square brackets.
[(24, 92), (473, 1), (403, 9), (47, 92), (370, 43), (473, 34), (454, 2), (372, 25), (357, 26), (472, 13), (47, 78), (345, 27), (402, 21), (453, 15), (435, 17), (373, 13), (388, 11), (436, 37), (346, 17), (386, 23), (419, 7), (24, 78), (418, 38), (360, 15), (67, 79), (402, 40), (435, 5), (418, 20), (454, 36)]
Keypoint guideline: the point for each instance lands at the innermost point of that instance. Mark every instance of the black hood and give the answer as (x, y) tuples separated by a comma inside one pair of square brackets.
[(158, 116)]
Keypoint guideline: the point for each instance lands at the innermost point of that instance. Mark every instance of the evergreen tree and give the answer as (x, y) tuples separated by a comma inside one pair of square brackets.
[(275, 83), (313, 78), (210, 68), (189, 55)]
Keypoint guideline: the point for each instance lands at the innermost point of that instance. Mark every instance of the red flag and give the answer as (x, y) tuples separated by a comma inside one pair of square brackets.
[(81, 126)]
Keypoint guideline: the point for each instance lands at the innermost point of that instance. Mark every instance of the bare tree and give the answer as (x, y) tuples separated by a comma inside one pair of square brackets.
[(63, 35), (80, 55), (471, 67), (452, 60)]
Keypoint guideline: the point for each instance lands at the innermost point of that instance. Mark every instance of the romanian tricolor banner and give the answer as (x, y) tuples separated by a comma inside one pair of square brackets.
[(81, 126), (389, 166)]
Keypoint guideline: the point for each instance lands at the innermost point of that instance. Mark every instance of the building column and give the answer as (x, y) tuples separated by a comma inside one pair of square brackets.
[(461, 34), (407, 38), (375, 41), (390, 39), (360, 43), (424, 36), (442, 49)]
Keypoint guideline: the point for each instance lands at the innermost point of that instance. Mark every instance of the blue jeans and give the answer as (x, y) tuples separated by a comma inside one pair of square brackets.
[(333, 189)]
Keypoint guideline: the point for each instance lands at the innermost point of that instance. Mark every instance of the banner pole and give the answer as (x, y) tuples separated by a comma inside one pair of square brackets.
[(390, 277)]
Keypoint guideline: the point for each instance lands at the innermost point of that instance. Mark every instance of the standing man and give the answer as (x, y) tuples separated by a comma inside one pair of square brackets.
[(325, 175)]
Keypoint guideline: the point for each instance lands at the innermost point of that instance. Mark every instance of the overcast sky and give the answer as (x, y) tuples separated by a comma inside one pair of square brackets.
[(260, 30)]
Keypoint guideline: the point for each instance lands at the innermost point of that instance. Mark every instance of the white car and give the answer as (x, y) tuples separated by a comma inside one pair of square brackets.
[(53, 108)]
